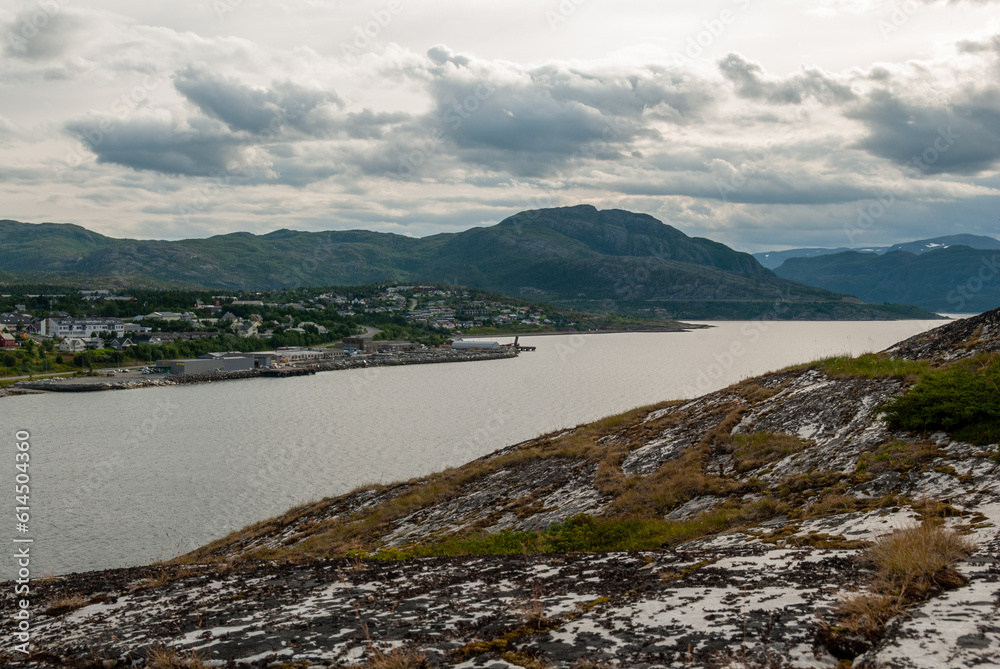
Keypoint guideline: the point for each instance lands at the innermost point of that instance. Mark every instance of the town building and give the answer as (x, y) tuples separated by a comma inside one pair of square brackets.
[(225, 363), (389, 346), (20, 322), (72, 345), (81, 327), (475, 344), (361, 342)]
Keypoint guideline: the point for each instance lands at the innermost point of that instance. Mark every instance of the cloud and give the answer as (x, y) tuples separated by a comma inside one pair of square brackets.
[(533, 121), (7, 130), (750, 82), (255, 110), (44, 32), (960, 135), (201, 147)]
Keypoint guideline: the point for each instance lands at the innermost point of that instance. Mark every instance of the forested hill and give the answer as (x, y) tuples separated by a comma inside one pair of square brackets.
[(610, 260)]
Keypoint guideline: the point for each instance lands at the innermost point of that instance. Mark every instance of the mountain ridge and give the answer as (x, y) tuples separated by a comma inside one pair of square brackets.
[(596, 260), (774, 259), (956, 279)]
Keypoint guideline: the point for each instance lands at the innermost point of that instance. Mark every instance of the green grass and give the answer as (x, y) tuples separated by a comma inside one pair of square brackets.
[(590, 534), (872, 366), (962, 399)]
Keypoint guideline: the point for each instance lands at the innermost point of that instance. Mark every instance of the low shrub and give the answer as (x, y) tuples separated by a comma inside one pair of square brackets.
[(962, 399)]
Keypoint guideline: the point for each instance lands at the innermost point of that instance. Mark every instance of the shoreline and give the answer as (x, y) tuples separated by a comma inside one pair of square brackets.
[(683, 327), (96, 384)]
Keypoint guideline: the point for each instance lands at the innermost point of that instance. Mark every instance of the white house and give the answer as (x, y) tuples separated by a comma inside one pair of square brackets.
[(81, 327), (72, 345)]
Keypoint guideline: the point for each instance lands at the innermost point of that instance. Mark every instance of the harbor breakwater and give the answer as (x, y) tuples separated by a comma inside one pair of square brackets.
[(426, 357)]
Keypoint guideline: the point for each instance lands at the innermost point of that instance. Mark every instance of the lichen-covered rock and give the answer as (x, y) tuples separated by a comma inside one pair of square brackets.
[(961, 339), (762, 594)]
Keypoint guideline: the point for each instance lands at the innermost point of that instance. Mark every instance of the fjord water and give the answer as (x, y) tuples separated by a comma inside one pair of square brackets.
[(129, 477)]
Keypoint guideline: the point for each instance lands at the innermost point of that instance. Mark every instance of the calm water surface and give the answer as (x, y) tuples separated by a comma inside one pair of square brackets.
[(125, 478)]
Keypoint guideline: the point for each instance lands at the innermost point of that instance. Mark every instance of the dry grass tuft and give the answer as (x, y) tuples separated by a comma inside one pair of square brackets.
[(534, 610), (754, 450), (65, 604), (160, 579), (911, 565), (920, 556), (170, 658), (398, 658)]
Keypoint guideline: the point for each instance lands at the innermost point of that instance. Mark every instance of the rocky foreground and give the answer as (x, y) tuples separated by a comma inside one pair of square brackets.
[(773, 486)]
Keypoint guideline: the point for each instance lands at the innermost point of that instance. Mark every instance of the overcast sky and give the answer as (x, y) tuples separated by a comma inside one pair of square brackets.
[(761, 124)]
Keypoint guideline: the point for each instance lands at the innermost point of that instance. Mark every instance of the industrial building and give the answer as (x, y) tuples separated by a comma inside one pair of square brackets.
[(231, 363), (475, 345), (393, 346)]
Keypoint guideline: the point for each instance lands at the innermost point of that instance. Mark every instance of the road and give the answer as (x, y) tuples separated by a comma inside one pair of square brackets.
[(33, 376), (47, 374)]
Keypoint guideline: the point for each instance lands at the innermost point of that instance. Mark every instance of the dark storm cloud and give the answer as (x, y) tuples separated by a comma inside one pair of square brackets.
[(750, 82), (755, 188), (957, 137), (532, 121), (255, 110), (43, 32), (204, 148)]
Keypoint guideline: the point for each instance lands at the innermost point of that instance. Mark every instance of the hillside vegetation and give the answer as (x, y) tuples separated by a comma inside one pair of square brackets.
[(597, 261), (957, 279)]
